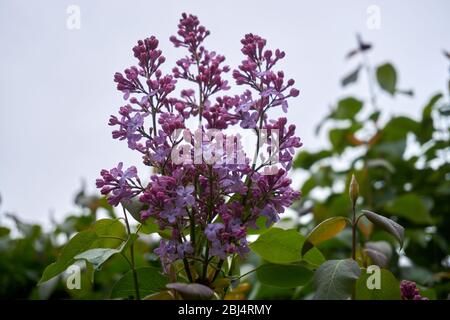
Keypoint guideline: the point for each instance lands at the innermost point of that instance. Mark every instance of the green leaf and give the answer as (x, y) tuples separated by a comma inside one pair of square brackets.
[(98, 256), (4, 231), (150, 281), (283, 276), (335, 279), (79, 243), (351, 77), (387, 78), (306, 159), (386, 224), (149, 226), (103, 234), (192, 291), (347, 109), (108, 232), (411, 207), (325, 230), (283, 247), (261, 224), (389, 287)]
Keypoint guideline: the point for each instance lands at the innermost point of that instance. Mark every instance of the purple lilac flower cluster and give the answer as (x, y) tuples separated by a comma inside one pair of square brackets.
[(206, 207), (410, 291)]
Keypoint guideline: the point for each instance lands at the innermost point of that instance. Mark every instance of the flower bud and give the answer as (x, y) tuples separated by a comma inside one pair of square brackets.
[(354, 190)]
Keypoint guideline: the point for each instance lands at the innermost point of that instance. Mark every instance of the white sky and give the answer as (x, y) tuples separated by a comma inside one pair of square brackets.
[(56, 92)]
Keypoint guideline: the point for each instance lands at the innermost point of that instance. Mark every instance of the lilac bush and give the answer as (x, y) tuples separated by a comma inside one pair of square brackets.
[(206, 206)]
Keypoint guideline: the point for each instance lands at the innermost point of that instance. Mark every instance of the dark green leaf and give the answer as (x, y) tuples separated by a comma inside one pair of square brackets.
[(387, 78), (351, 77), (283, 276)]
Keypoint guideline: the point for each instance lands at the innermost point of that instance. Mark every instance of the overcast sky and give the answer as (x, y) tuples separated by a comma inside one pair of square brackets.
[(56, 89)]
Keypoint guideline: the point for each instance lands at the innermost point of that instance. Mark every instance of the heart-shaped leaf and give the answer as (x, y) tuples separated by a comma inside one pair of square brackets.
[(387, 225), (192, 291), (325, 230), (335, 279)]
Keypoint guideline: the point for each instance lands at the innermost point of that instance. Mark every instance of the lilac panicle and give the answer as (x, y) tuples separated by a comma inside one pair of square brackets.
[(220, 200)]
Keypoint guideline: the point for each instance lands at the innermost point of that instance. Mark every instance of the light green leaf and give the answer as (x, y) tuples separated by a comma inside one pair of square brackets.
[(79, 243), (387, 78), (150, 280), (335, 279), (105, 233), (98, 256), (389, 287), (323, 231), (283, 276), (284, 247)]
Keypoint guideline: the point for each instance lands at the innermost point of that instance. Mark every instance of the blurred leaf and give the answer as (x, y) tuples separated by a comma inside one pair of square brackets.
[(347, 108), (192, 291), (134, 207), (150, 281), (387, 78), (261, 224), (284, 276), (410, 206), (389, 287), (426, 126), (4, 231), (305, 159), (351, 77), (283, 247), (325, 230), (335, 279), (386, 224)]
